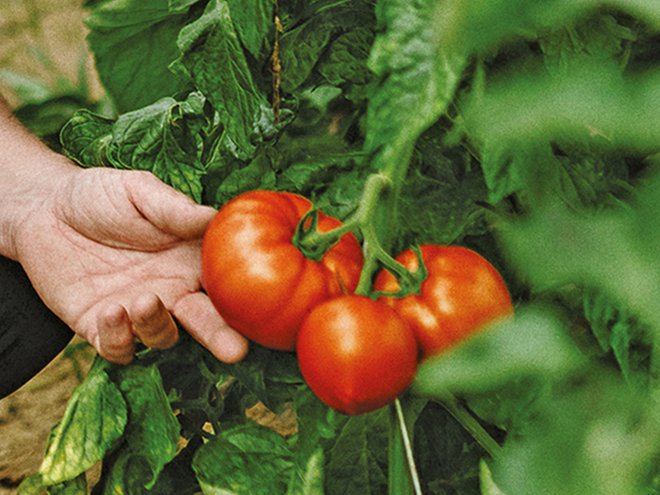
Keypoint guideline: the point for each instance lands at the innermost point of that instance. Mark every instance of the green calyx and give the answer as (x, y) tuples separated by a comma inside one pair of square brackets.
[(314, 244), (410, 282)]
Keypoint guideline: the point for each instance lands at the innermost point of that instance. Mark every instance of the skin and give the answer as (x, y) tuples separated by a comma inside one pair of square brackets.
[(115, 254)]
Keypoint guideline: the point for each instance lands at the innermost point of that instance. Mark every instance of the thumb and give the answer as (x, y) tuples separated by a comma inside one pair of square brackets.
[(166, 208)]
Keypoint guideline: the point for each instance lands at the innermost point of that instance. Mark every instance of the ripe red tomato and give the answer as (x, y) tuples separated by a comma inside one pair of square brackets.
[(259, 282), (462, 293), (356, 354)]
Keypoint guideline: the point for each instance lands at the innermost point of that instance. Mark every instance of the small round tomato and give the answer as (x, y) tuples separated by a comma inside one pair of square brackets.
[(356, 354), (461, 294), (259, 282)]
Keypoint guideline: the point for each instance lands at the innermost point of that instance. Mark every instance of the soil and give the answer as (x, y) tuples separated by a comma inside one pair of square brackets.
[(27, 415), (42, 42)]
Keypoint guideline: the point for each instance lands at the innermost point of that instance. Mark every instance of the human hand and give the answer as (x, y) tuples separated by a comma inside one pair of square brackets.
[(115, 254)]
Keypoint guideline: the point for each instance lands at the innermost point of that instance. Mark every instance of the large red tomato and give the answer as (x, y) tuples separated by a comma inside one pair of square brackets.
[(462, 293), (356, 354), (260, 283)]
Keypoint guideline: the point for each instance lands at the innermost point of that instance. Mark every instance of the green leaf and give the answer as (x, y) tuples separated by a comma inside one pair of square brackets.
[(271, 377), (342, 195), (93, 422), (416, 78), (134, 42), (303, 46), (613, 251), (593, 104), (28, 89), (86, 137), (244, 460), (510, 168), (533, 344), (76, 486), (253, 22), (599, 36), (346, 60), (481, 26), (510, 405), (621, 342), (319, 179), (258, 174), (600, 313), (486, 482), (32, 485), (357, 461), (163, 138), (166, 138), (300, 49), (590, 437), (317, 423), (176, 6), (309, 476), (46, 118), (617, 331), (152, 431), (439, 202), (125, 474), (446, 455), (178, 476), (214, 60)]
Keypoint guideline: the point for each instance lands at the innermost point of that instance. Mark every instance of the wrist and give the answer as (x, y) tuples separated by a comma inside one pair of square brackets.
[(30, 175)]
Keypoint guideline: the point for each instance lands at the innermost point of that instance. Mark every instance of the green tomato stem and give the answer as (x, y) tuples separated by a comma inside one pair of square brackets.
[(373, 219), (375, 254), (407, 446), (399, 480), (313, 244)]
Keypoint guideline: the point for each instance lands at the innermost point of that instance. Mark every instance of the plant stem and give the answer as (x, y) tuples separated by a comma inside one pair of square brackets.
[(276, 66), (310, 242), (374, 188), (399, 480), (483, 438), (373, 218), (407, 446)]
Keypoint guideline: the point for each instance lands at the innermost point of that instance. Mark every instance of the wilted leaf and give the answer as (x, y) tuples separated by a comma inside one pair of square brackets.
[(93, 422)]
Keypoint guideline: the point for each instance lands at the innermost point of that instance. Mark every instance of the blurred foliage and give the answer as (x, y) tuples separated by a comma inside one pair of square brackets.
[(529, 130), (36, 78)]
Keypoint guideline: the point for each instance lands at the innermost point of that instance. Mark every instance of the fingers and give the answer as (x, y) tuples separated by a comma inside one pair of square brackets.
[(149, 321), (198, 316), (152, 323), (116, 341), (171, 211)]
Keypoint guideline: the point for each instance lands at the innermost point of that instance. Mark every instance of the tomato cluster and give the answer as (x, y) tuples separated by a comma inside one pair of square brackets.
[(355, 353)]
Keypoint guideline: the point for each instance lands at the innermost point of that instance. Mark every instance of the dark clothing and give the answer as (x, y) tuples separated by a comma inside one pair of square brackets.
[(30, 334)]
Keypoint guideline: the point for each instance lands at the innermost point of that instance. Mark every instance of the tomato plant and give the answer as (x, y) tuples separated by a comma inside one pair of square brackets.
[(260, 283), (356, 354), (461, 294)]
